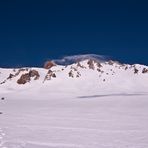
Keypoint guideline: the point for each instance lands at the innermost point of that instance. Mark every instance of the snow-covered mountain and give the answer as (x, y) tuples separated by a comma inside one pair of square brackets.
[(87, 76), (88, 104)]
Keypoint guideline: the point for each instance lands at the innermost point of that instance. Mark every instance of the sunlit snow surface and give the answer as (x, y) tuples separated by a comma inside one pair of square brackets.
[(102, 121), (84, 112)]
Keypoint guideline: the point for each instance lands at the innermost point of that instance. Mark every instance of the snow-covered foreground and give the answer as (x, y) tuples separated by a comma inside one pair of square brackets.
[(84, 105), (96, 121)]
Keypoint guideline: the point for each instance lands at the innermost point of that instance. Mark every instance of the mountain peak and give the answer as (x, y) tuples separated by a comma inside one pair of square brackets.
[(87, 73)]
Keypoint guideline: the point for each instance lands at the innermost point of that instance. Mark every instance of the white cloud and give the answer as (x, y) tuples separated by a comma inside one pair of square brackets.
[(75, 58)]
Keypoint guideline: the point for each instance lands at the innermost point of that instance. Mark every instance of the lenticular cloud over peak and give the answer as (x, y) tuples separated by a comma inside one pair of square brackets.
[(75, 58)]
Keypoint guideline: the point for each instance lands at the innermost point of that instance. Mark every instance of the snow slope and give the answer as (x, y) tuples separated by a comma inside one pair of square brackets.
[(113, 78), (105, 107)]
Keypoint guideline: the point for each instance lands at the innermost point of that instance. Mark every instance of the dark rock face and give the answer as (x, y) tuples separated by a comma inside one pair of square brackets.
[(91, 64), (54, 75), (71, 74), (99, 70), (10, 76), (79, 65), (78, 74), (3, 82), (126, 67), (145, 70), (99, 65), (49, 75), (27, 77), (24, 79), (49, 64), (35, 74), (136, 71)]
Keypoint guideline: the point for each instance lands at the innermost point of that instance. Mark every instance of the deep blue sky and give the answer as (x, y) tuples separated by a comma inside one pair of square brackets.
[(33, 31)]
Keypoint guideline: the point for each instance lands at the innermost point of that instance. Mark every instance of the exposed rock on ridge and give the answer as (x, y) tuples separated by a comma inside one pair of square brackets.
[(27, 77)]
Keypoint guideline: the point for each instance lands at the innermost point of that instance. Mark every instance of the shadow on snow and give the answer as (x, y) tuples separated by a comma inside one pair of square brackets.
[(113, 95)]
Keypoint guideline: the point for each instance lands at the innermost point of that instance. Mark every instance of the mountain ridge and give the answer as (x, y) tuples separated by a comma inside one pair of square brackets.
[(88, 75)]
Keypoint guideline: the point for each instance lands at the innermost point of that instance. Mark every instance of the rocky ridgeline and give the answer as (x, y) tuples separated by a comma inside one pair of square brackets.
[(15, 74), (25, 78), (26, 74)]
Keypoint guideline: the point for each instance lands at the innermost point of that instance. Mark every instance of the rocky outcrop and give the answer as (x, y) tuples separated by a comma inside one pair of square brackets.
[(3, 82), (27, 77), (49, 75), (10, 76), (91, 64), (35, 74), (145, 70), (75, 71), (78, 74), (16, 73), (99, 65), (49, 64), (136, 71), (24, 79), (71, 74), (79, 65)]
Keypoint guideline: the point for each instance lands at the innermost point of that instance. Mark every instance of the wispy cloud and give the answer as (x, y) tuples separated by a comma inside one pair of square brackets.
[(75, 58)]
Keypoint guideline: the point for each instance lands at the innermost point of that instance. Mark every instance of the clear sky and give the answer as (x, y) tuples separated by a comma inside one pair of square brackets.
[(32, 31)]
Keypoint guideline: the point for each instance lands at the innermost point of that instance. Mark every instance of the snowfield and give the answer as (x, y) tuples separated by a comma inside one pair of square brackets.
[(84, 112), (119, 121)]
